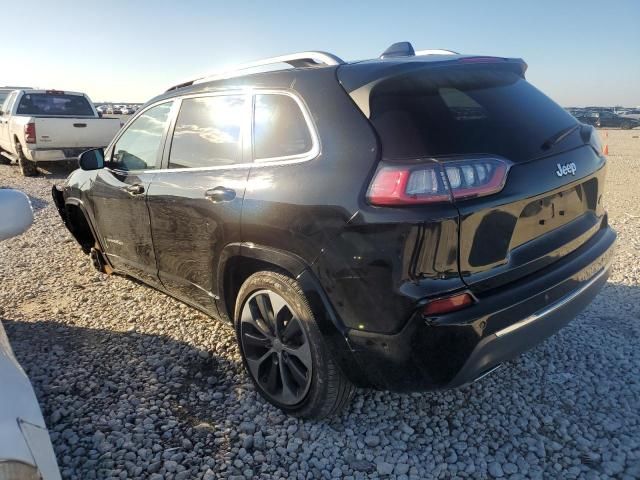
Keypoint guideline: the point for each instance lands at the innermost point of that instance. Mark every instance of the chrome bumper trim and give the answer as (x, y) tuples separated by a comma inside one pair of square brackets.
[(553, 307)]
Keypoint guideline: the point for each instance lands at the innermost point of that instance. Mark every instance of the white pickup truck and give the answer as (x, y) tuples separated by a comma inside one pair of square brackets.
[(50, 125)]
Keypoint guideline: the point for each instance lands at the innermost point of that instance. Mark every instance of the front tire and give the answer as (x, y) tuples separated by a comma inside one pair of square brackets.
[(283, 350), (27, 167)]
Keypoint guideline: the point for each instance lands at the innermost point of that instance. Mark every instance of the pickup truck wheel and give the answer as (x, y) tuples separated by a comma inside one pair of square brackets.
[(4, 160), (625, 126), (283, 350), (27, 167)]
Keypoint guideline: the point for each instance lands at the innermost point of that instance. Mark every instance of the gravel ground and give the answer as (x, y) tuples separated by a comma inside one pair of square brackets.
[(133, 384)]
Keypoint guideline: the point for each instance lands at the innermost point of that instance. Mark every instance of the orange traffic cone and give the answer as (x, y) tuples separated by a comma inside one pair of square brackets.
[(605, 150)]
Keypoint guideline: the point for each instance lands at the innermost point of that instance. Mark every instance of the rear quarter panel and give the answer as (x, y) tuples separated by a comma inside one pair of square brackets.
[(373, 263)]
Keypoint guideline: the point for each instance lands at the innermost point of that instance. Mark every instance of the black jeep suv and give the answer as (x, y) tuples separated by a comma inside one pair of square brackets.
[(405, 223)]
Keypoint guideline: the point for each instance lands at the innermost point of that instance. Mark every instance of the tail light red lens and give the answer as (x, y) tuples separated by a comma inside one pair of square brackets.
[(399, 185), (434, 182), (30, 133), (448, 304)]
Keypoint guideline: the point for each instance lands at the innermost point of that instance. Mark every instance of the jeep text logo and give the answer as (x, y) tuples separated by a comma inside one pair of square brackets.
[(566, 169)]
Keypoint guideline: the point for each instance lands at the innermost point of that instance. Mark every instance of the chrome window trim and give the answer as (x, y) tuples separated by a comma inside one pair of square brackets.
[(312, 153), (244, 128), (108, 151), (262, 162)]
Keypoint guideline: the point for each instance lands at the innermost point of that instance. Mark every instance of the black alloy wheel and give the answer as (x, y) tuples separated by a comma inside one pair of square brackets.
[(276, 347)]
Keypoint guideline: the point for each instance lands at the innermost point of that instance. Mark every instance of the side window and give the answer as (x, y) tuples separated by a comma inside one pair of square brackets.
[(138, 147), (279, 127), (8, 104), (208, 132)]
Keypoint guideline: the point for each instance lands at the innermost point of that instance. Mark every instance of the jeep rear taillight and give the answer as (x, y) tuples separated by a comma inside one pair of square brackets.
[(30, 133), (437, 181)]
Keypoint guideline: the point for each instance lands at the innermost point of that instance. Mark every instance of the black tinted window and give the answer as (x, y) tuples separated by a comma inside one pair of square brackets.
[(464, 111), (280, 129), (54, 104), (208, 132), (138, 147)]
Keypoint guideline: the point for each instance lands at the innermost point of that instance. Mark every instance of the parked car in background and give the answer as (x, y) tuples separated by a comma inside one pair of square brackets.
[(612, 120), (116, 110), (50, 125), (585, 116), (26, 452), (407, 223), (126, 111)]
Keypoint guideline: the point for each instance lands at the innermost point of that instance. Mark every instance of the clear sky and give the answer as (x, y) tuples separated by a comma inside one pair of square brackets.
[(580, 52)]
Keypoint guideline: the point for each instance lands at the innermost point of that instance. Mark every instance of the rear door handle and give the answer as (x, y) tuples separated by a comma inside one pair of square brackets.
[(220, 194), (135, 189)]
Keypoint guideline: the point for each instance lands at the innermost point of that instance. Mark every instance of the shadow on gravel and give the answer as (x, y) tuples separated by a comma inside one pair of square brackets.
[(57, 170), (126, 403), (52, 170), (37, 203), (97, 385)]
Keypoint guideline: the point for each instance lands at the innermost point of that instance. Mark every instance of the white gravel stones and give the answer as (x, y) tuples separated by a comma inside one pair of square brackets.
[(134, 384)]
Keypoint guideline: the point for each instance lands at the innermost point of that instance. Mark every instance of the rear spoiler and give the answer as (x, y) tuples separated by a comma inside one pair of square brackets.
[(359, 79)]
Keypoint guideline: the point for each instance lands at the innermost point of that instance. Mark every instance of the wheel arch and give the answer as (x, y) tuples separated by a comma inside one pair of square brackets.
[(239, 261), (80, 226)]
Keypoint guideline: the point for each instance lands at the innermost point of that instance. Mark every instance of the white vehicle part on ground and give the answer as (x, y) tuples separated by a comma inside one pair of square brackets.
[(25, 447), (16, 214), (24, 439)]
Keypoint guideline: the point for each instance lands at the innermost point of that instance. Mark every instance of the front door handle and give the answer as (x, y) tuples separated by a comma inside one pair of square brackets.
[(220, 194), (135, 189)]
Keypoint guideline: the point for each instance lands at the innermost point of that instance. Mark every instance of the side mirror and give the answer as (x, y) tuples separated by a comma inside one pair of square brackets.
[(99, 114), (15, 212), (91, 159)]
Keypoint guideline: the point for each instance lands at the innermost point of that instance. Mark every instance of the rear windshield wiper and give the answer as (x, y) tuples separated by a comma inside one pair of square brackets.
[(558, 137)]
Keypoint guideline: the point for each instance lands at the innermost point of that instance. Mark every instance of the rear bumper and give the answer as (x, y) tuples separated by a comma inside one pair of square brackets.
[(55, 155), (456, 349)]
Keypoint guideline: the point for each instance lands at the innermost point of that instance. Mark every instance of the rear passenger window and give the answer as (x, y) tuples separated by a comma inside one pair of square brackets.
[(279, 129), (208, 132)]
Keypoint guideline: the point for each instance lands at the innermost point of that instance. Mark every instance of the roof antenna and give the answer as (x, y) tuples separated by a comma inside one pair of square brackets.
[(400, 49)]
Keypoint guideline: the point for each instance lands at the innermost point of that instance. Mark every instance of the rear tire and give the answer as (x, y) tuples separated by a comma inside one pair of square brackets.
[(4, 160), (27, 167), (285, 354)]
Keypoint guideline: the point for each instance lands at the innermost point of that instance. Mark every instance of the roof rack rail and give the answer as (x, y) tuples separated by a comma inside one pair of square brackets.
[(296, 60)]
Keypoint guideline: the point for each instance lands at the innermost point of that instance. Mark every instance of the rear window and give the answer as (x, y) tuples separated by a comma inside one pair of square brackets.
[(457, 111), (54, 105)]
